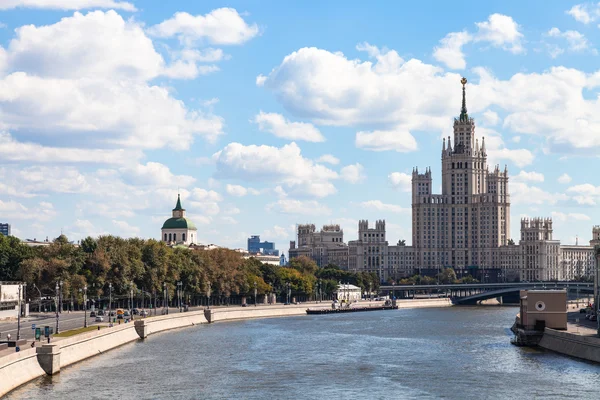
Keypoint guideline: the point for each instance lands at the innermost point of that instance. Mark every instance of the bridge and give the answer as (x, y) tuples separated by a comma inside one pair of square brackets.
[(473, 293)]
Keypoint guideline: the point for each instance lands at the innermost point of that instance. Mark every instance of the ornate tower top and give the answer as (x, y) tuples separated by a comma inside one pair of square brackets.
[(463, 111)]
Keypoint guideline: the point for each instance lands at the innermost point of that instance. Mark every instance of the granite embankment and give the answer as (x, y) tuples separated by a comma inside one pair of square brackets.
[(576, 342), (21, 367)]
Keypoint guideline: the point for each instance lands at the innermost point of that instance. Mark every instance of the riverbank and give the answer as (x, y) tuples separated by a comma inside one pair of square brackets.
[(19, 368)]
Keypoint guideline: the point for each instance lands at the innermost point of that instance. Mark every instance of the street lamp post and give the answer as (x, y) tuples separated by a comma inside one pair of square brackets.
[(40, 303), (19, 316), (166, 296), (85, 306), (288, 293), (57, 300), (208, 295), (109, 303), (254, 293), (60, 298), (179, 285), (320, 290)]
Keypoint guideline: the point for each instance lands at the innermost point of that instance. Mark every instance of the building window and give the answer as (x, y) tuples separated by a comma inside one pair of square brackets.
[(183, 237), (165, 237), (170, 237), (174, 237)]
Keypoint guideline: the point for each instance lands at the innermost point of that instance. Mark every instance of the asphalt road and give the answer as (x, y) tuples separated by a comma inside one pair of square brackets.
[(67, 321)]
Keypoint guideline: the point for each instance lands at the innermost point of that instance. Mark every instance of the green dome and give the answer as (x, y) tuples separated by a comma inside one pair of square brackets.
[(179, 223)]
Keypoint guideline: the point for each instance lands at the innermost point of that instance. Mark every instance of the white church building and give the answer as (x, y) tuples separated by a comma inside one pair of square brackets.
[(178, 229)]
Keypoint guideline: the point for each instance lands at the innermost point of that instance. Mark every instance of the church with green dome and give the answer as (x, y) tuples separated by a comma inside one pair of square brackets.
[(178, 229)]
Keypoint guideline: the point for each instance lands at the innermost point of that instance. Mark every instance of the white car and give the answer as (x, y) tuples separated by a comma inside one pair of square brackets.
[(99, 319)]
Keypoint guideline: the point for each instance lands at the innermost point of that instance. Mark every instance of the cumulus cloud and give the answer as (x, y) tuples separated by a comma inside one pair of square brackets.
[(221, 26), (329, 159), (11, 210), (239, 191), (283, 128), (395, 140), (585, 12), (67, 4), (532, 176), (12, 150), (378, 205), (499, 31), (585, 194), (401, 181), (85, 78), (576, 42), (299, 207), (154, 174), (566, 217), (564, 178), (521, 193), (125, 229), (353, 173), (284, 165)]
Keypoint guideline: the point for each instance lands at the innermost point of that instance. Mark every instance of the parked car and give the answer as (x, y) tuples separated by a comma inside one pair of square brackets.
[(126, 314), (112, 314), (92, 314), (144, 313), (99, 318), (135, 311), (101, 313), (120, 316)]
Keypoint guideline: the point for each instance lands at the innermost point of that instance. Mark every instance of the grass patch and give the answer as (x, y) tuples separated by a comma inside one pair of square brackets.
[(73, 332)]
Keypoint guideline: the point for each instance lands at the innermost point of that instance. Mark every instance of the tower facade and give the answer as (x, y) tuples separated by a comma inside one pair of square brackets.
[(464, 226)]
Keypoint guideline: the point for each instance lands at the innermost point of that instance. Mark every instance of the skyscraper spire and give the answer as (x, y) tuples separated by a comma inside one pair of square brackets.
[(463, 111)]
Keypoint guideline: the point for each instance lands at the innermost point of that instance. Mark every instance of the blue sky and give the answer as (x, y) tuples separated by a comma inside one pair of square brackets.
[(264, 114)]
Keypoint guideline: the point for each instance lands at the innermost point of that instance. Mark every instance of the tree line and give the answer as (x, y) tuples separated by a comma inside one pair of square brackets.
[(146, 265)]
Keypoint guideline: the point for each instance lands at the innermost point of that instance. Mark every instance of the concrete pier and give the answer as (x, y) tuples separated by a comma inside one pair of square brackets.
[(49, 358)]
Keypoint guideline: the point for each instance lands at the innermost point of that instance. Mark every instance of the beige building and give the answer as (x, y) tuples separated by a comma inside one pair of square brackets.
[(543, 308), (466, 227), (324, 247), (466, 224)]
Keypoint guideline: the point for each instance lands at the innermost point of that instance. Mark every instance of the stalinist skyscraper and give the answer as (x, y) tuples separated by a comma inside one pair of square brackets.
[(464, 226)]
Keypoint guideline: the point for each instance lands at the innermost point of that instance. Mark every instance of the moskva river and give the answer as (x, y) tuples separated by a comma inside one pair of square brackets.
[(450, 353)]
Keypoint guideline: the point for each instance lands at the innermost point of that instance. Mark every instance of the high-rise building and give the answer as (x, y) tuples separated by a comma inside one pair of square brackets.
[(5, 229), (464, 226), (256, 246)]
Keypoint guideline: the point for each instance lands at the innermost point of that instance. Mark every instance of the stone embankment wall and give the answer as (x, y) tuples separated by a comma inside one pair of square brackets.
[(571, 344), (19, 368)]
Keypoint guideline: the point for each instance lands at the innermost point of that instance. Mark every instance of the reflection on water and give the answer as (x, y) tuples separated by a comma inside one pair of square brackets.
[(453, 353)]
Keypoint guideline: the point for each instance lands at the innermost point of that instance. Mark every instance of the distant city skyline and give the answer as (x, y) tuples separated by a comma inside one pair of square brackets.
[(266, 115)]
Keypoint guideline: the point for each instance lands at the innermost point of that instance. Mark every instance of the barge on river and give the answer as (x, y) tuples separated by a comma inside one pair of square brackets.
[(349, 309)]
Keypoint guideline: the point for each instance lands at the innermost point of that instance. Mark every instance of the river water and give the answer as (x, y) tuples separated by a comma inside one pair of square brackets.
[(451, 353)]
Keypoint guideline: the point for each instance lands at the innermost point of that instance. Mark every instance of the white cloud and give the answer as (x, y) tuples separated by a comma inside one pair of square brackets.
[(85, 78), (564, 178), (497, 150), (329, 159), (299, 207), (568, 217), (532, 176), (585, 194), (277, 232), (585, 13), (283, 128), (281, 165), (576, 42), (240, 191), (13, 150), (521, 193), (490, 117), (400, 180), (353, 173), (155, 174), (450, 50), (125, 229), (11, 210), (499, 31), (67, 4), (221, 26), (397, 140), (229, 220), (380, 206)]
